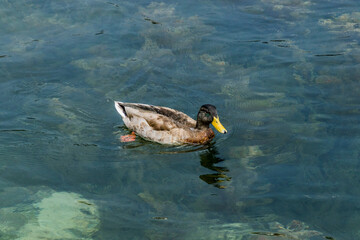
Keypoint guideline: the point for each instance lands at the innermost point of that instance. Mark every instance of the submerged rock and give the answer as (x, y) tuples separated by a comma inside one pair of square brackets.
[(294, 230), (327, 79), (59, 215), (348, 22), (245, 231), (63, 215), (230, 231)]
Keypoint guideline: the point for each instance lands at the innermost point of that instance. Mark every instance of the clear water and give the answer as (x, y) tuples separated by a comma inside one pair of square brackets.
[(284, 75)]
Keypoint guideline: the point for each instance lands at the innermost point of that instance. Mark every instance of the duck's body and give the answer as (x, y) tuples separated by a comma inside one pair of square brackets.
[(168, 126)]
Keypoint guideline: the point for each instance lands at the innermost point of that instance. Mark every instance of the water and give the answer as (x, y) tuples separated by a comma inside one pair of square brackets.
[(283, 75)]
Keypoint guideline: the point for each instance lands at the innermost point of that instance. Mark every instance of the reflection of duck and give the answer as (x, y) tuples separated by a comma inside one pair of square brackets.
[(208, 159), (168, 126)]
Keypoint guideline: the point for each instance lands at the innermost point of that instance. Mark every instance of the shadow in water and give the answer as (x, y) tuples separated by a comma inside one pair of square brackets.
[(209, 158)]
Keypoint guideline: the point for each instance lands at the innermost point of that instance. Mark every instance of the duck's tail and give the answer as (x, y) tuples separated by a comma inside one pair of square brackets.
[(120, 108)]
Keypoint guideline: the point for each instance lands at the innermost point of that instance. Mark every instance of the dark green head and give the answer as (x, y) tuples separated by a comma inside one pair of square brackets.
[(208, 114)]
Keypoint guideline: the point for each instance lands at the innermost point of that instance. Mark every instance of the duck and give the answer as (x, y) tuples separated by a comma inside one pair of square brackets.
[(169, 126)]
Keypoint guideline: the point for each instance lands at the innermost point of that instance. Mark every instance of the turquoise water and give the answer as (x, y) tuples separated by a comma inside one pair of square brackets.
[(283, 74)]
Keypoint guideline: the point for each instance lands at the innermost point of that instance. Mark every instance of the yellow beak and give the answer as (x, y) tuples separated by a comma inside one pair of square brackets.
[(218, 126)]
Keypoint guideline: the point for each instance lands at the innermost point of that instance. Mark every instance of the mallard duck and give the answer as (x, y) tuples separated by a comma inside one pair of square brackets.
[(168, 126)]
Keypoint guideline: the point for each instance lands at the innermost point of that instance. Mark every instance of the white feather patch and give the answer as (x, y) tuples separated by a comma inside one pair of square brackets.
[(120, 109)]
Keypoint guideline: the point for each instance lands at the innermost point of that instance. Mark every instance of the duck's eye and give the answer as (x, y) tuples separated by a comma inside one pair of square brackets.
[(208, 115)]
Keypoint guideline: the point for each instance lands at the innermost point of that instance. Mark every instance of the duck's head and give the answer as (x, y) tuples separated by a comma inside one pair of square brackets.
[(208, 114)]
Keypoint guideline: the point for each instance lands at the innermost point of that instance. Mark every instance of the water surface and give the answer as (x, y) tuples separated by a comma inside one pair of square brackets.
[(284, 76)]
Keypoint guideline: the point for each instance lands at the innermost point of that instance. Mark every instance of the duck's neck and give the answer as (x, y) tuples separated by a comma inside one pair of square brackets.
[(201, 125)]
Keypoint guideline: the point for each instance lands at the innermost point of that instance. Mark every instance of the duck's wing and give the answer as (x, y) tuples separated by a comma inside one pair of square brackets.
[(158, 118)]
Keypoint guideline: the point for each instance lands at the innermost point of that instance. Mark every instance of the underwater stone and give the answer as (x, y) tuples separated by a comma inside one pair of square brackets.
[(245, 151), (326, 79), (348, 22), (63, 215)]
